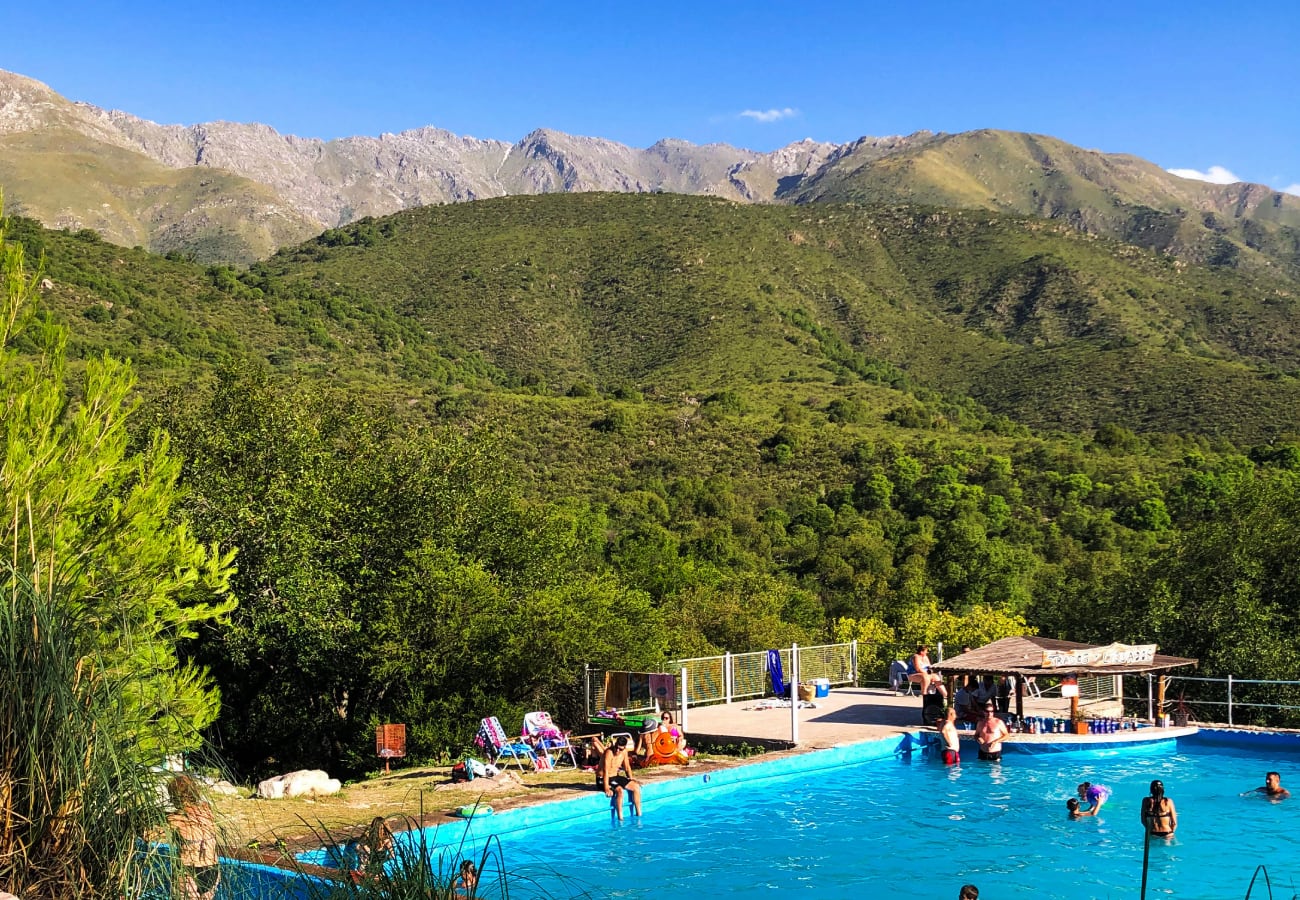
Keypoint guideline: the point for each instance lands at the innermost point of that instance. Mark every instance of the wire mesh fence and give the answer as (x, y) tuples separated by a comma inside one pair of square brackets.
[(834, 662), (722, 679)]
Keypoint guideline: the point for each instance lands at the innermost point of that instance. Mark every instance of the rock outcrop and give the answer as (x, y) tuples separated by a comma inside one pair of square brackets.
[(303, 783)]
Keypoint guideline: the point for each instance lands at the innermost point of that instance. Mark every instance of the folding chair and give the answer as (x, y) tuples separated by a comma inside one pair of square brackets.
[(492, 738), (542, 734), (898, 680)]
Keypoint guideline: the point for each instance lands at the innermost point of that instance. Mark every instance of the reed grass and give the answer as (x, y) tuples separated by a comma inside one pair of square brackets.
[(418, 870), (74, 801)]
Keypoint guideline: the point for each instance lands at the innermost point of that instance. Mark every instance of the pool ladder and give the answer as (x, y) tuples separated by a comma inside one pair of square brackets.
[(1267, 883)]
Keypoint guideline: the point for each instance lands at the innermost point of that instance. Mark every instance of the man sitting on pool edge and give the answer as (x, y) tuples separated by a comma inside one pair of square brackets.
[(611, 777), (990, 733)]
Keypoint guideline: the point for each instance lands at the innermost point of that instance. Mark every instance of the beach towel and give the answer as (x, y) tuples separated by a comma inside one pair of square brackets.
[(663, 688), (616, 690), (774, 669)]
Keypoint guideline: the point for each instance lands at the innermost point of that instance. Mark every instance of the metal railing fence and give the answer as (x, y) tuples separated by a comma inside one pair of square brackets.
[(1228, 700), (738, 676), (735, 676)]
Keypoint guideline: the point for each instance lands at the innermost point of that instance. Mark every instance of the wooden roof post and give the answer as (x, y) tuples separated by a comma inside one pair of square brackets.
[(1020, 697), (1160, 699)]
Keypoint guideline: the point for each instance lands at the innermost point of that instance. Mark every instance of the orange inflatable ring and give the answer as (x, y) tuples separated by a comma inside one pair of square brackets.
[(665, 744), (663, 750)]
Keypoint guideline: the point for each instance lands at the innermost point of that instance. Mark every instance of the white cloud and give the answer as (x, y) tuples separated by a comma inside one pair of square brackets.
[(1292, 189), (769, 115), (1214, 175)]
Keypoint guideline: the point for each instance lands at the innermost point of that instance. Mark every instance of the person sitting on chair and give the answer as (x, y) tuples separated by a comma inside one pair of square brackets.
[(922, 675)]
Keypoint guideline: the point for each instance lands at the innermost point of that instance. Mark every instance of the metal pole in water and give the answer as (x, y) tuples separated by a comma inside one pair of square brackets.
[(1146, 855)]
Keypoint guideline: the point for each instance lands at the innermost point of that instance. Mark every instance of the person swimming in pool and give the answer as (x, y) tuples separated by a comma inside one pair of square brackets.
[(1095, 795), (466, 880), (1072, 806), (1272, 788)]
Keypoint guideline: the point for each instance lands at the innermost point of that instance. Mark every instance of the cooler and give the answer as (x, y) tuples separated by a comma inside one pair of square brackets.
[(823, 686)]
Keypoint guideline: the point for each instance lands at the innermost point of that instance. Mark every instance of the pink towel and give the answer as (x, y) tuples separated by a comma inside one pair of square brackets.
[(664, 689)]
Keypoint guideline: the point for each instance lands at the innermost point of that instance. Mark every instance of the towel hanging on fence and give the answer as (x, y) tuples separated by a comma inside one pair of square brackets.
[(616, 690), (663, 688), (774, 670)]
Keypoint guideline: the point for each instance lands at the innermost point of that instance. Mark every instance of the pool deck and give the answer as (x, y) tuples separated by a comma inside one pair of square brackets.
[(848, 715)]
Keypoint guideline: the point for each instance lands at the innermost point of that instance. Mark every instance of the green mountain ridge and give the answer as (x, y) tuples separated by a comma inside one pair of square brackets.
[(675, 296), (227, 192), (1115, 195)]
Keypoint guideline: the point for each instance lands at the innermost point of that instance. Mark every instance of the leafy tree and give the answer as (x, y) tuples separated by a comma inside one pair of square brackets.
[(100, 588), (91, 523)]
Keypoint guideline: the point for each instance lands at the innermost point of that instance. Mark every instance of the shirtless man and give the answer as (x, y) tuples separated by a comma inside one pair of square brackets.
[(951, 742), (610, 778), (990, 733), (1272, 788), (922, 675)]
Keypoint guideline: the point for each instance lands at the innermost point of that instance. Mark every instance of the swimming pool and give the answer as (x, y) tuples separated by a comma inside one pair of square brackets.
[(910, 826)]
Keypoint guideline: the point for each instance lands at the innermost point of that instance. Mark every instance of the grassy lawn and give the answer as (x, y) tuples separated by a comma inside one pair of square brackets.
[(416, 795)]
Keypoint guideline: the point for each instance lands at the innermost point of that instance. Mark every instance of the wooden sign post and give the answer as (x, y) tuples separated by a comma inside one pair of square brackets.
[(390, 743)]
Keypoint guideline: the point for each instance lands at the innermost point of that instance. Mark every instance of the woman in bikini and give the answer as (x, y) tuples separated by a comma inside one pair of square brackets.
[(1159, 816)]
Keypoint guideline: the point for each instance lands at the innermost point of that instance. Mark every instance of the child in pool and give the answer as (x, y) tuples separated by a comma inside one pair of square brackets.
[(467, 881)]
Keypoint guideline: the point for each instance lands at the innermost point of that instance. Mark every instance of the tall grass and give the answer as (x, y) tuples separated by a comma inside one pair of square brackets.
[(73, 801), (417, 870)]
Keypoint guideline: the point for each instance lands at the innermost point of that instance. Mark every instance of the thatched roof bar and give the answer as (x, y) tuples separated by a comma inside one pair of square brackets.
[(1027, 656)]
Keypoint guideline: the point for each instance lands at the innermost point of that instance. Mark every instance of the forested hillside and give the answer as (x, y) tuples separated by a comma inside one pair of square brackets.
[(464, 450)]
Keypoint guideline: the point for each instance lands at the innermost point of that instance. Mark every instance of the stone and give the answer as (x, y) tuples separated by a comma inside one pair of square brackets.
[(302, 783)]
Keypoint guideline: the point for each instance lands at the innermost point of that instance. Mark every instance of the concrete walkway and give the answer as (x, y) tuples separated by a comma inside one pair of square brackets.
[(849, 714)]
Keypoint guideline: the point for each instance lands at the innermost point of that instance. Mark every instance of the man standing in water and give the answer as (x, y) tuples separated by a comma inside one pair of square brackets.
[(612, 780), (990, 733)]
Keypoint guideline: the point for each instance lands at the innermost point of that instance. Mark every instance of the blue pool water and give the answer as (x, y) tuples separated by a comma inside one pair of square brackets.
[(908, 826)]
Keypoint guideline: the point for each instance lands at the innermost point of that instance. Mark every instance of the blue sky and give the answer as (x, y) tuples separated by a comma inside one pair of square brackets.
[(1191, 86)]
